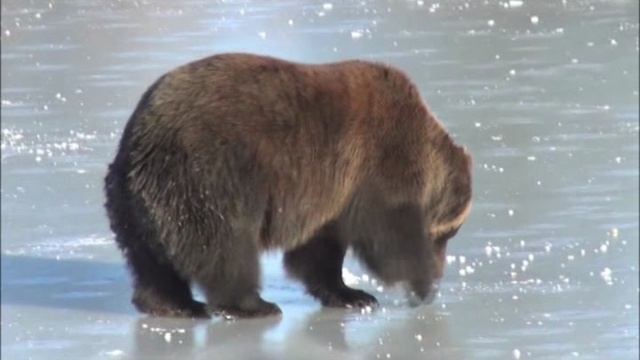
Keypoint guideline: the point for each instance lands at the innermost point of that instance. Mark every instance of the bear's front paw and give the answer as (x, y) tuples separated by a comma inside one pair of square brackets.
[(347, 297)]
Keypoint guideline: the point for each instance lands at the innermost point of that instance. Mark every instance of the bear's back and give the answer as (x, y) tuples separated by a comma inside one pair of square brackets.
[(315, 132)]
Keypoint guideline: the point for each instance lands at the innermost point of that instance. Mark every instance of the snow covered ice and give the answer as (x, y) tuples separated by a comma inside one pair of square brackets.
[(543, 93)]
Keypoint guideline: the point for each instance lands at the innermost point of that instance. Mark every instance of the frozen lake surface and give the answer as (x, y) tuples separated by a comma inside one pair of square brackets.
[(543, 93)]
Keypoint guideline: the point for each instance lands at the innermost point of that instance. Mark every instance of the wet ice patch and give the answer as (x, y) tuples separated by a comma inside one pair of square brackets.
[(606, 275), (515, 3), (51, 147), (366, 310), (114, 353), (12, 142), (37, 280), (350, 278), (63, 248), (81, 295), (516, 353), (9, 103)]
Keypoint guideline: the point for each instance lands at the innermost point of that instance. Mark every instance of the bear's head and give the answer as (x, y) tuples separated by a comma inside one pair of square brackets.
[(445, 212), (406, 243)]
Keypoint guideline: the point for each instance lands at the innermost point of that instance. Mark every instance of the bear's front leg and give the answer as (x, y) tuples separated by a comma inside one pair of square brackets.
[(318, 264)]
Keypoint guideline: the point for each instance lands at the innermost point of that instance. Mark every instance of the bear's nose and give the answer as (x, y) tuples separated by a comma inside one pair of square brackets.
[(417, 298)]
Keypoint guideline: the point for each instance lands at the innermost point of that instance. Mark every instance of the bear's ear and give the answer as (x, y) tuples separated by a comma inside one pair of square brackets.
[(468, 157), (465, 157)]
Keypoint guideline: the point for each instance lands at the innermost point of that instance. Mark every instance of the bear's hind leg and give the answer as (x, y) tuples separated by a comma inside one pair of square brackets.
[(318, 264), (231, 282), (158, 289)]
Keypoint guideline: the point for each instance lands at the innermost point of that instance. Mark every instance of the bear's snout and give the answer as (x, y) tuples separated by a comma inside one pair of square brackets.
[(422, 292)]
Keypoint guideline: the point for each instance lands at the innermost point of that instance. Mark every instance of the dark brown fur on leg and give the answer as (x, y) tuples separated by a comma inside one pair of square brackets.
[(158, 289), (318, 264), (231, 283)]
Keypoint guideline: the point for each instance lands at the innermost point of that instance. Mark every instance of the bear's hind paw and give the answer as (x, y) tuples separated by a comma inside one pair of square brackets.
[(195, 309), (259, 308)]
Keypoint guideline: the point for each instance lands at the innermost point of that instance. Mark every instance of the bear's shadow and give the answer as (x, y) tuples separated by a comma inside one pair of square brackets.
[(74, 284)]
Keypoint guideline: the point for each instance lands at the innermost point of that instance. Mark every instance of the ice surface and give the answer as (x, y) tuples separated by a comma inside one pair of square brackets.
[(543, 93)]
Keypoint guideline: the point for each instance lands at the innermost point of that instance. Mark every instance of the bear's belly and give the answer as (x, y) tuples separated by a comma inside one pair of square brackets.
[(291, 225)]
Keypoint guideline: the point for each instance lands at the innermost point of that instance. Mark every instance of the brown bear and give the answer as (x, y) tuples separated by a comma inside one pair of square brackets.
[(235, 154)]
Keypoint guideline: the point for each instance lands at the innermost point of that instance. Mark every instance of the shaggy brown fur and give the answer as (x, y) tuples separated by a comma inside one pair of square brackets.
[(234, 154)]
